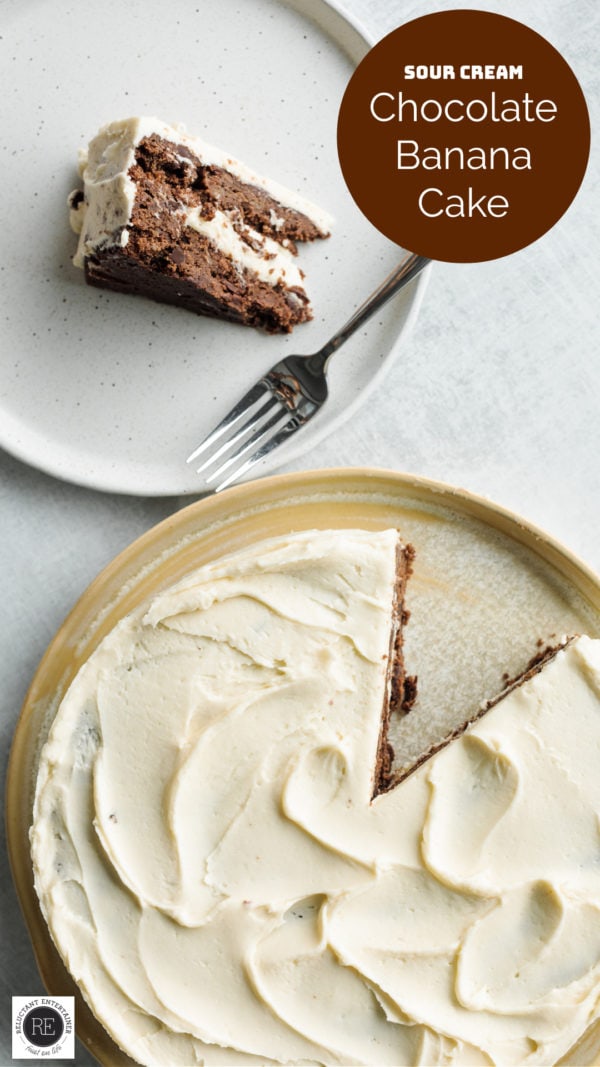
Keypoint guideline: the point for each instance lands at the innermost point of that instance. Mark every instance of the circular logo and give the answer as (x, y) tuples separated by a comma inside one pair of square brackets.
[(463, 136), (43, 1026)]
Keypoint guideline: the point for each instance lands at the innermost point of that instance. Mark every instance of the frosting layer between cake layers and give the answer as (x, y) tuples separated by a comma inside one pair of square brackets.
[(219, 882)]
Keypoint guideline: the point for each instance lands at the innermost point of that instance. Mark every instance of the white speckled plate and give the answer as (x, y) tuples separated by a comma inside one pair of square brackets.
[(114, 391)]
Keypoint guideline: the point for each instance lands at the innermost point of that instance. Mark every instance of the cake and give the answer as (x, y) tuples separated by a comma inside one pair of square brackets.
[(164, 215), (227, 875)]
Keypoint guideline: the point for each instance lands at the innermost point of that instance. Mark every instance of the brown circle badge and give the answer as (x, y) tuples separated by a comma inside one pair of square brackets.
[(463, 136)]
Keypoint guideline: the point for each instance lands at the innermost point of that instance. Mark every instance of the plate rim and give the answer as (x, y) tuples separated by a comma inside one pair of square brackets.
[(264, 495)]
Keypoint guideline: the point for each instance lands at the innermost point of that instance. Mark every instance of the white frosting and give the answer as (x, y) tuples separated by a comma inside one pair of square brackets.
[(110, 193), (273, 264), (219, 882)]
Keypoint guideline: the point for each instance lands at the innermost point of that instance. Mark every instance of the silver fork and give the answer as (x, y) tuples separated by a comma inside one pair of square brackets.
[(287, 396)]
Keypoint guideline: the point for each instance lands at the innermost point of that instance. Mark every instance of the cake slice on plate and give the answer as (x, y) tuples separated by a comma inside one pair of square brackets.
[(164, 215)]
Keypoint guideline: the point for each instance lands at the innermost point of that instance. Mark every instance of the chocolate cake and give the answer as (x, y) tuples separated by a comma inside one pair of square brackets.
[(166, 216), (252, 891)]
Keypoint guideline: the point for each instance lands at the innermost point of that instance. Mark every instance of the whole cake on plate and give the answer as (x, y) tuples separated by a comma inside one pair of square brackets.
[(228, 876), (167, 216)]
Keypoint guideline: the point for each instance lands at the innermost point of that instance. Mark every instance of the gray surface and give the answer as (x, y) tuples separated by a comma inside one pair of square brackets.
[(496, 390)]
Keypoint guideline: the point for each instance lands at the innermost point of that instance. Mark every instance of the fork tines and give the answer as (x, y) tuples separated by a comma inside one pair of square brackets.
[(233, 439)]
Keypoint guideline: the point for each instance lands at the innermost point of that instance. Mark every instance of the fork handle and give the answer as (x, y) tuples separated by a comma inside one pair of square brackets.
[(399, 277)]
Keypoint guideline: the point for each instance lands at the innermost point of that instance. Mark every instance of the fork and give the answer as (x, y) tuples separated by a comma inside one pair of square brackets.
[(287, 396)]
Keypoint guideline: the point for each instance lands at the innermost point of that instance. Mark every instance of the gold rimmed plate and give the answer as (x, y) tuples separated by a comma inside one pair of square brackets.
[(487, 590)]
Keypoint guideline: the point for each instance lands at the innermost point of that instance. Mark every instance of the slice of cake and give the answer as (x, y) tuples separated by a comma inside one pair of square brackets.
[(165, 215), (227, 876)]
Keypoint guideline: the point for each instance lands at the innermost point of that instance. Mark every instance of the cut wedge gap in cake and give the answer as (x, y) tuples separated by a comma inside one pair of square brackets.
[(167, 216), (536, 664)]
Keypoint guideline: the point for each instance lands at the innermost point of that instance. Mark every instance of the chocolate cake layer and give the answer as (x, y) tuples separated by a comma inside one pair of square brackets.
[(401, 689), (195, 275)]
